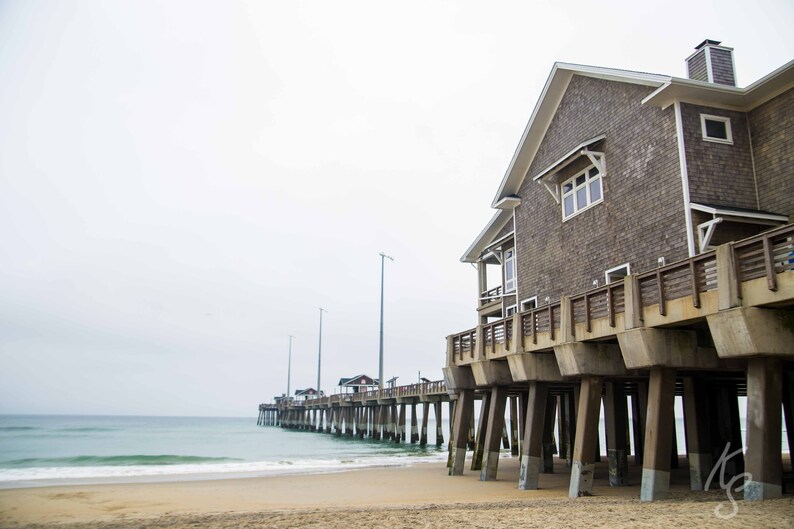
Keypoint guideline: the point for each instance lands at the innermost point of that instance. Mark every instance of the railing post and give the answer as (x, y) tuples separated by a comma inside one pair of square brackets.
[(728, 287), (479, 349), (769, 265), (632, 301), (566, 320), (517, 341), (451, 350)]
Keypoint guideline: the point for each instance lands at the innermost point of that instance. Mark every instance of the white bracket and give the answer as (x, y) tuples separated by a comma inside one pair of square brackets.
[(706, 231), (554, 189), (597, 159)]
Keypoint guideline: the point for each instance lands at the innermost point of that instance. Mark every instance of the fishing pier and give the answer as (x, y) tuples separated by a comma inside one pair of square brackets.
[(380, 414)]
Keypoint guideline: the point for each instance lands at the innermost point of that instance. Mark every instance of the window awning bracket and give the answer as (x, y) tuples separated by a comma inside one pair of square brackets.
[(597, 159), (554, 189)]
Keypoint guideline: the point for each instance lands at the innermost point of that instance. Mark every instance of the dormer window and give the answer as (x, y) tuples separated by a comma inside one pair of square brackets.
[(581, 191), (716, 128)]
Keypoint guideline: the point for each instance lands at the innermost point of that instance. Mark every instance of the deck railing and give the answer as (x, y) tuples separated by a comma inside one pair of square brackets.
[(494, 294), (765, 255)]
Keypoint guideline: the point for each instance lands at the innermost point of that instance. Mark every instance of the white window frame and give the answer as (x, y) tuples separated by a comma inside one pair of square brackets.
[(509, 261), (624, 266), (586, 185), (728, 131), (512, 307), (524, 303)]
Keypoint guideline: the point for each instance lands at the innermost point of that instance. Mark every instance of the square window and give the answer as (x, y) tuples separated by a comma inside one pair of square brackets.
[(581, 191), (716, 128)]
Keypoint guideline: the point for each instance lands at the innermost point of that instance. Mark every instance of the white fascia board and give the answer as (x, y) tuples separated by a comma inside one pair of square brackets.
[(486, 236), (726, 212), (545, 109), (724, 96)]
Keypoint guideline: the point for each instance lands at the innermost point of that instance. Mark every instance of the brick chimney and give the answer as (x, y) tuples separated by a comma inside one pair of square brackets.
[(712, 63)]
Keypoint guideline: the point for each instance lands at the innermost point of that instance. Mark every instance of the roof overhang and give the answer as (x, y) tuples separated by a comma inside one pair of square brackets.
[(550, 97), (705, 230), (569, 158), (723, 96), (487, 235)]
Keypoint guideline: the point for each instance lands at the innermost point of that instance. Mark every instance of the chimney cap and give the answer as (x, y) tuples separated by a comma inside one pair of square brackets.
[(708, 42)]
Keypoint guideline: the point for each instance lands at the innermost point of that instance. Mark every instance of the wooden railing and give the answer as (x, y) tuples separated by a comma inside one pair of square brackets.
[(464, 344), (765, 255), (540, 319), (488, 296)]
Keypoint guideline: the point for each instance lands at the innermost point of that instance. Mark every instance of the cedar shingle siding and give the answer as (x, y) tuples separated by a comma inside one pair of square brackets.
[(642, 216), (771, 126), (696, 67), (722, 67), (719, 173)]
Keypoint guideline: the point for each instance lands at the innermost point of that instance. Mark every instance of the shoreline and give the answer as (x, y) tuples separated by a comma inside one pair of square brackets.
[(421, 495)]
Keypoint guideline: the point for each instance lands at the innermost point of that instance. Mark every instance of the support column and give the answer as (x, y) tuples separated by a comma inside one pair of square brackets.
[(658, 435), (616, 419), (460, 427), (493, 434), (439, 425), (639, 405), (377, 414), (587, 420), (425, 416), (696, 428), (764, 465), (513, 426), (549, 445), (788, 410), (479, 443), (532, 446), (414, 425), (400, 425)]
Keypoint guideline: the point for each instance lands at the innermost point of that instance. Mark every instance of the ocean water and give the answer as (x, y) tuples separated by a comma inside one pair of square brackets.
[(57, 450)]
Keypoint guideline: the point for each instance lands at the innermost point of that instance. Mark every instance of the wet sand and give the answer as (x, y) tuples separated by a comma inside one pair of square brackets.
[(419, 496)]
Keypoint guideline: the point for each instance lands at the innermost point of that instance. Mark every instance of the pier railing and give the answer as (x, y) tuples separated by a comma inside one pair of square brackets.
[(420, 389), (763, 256)]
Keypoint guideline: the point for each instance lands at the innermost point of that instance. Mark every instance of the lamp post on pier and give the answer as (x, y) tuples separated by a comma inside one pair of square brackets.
[(320, 353), (383, 258), (289, 364)]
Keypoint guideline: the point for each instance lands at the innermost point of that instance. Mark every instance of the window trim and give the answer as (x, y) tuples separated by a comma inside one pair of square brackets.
[(514, 307), (528, 300), (626, 266), (588, 179), (512, 261), (723, 119)]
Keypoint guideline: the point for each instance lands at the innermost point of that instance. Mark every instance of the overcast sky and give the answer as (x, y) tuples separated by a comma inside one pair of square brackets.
[(184, 183)]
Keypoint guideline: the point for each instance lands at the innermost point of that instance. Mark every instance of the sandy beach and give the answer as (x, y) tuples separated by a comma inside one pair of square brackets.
[(418, 496)]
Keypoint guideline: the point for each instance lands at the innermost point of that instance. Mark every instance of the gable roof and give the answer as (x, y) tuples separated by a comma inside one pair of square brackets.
[(486, 236), (732, 97), (358, 380), (546, 108)]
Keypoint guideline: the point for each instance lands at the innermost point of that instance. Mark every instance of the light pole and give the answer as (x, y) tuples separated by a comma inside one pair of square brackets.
[(289, 364), (320, 353), (383, 258)]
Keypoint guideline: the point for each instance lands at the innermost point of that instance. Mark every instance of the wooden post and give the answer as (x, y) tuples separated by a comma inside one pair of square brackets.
[(425, 416), (414, 424), (460, 425), (513, 426), (587, 420), (532, 447), (616, 418), (658, 435), (439, 425), (496, 426), (479, 443)]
